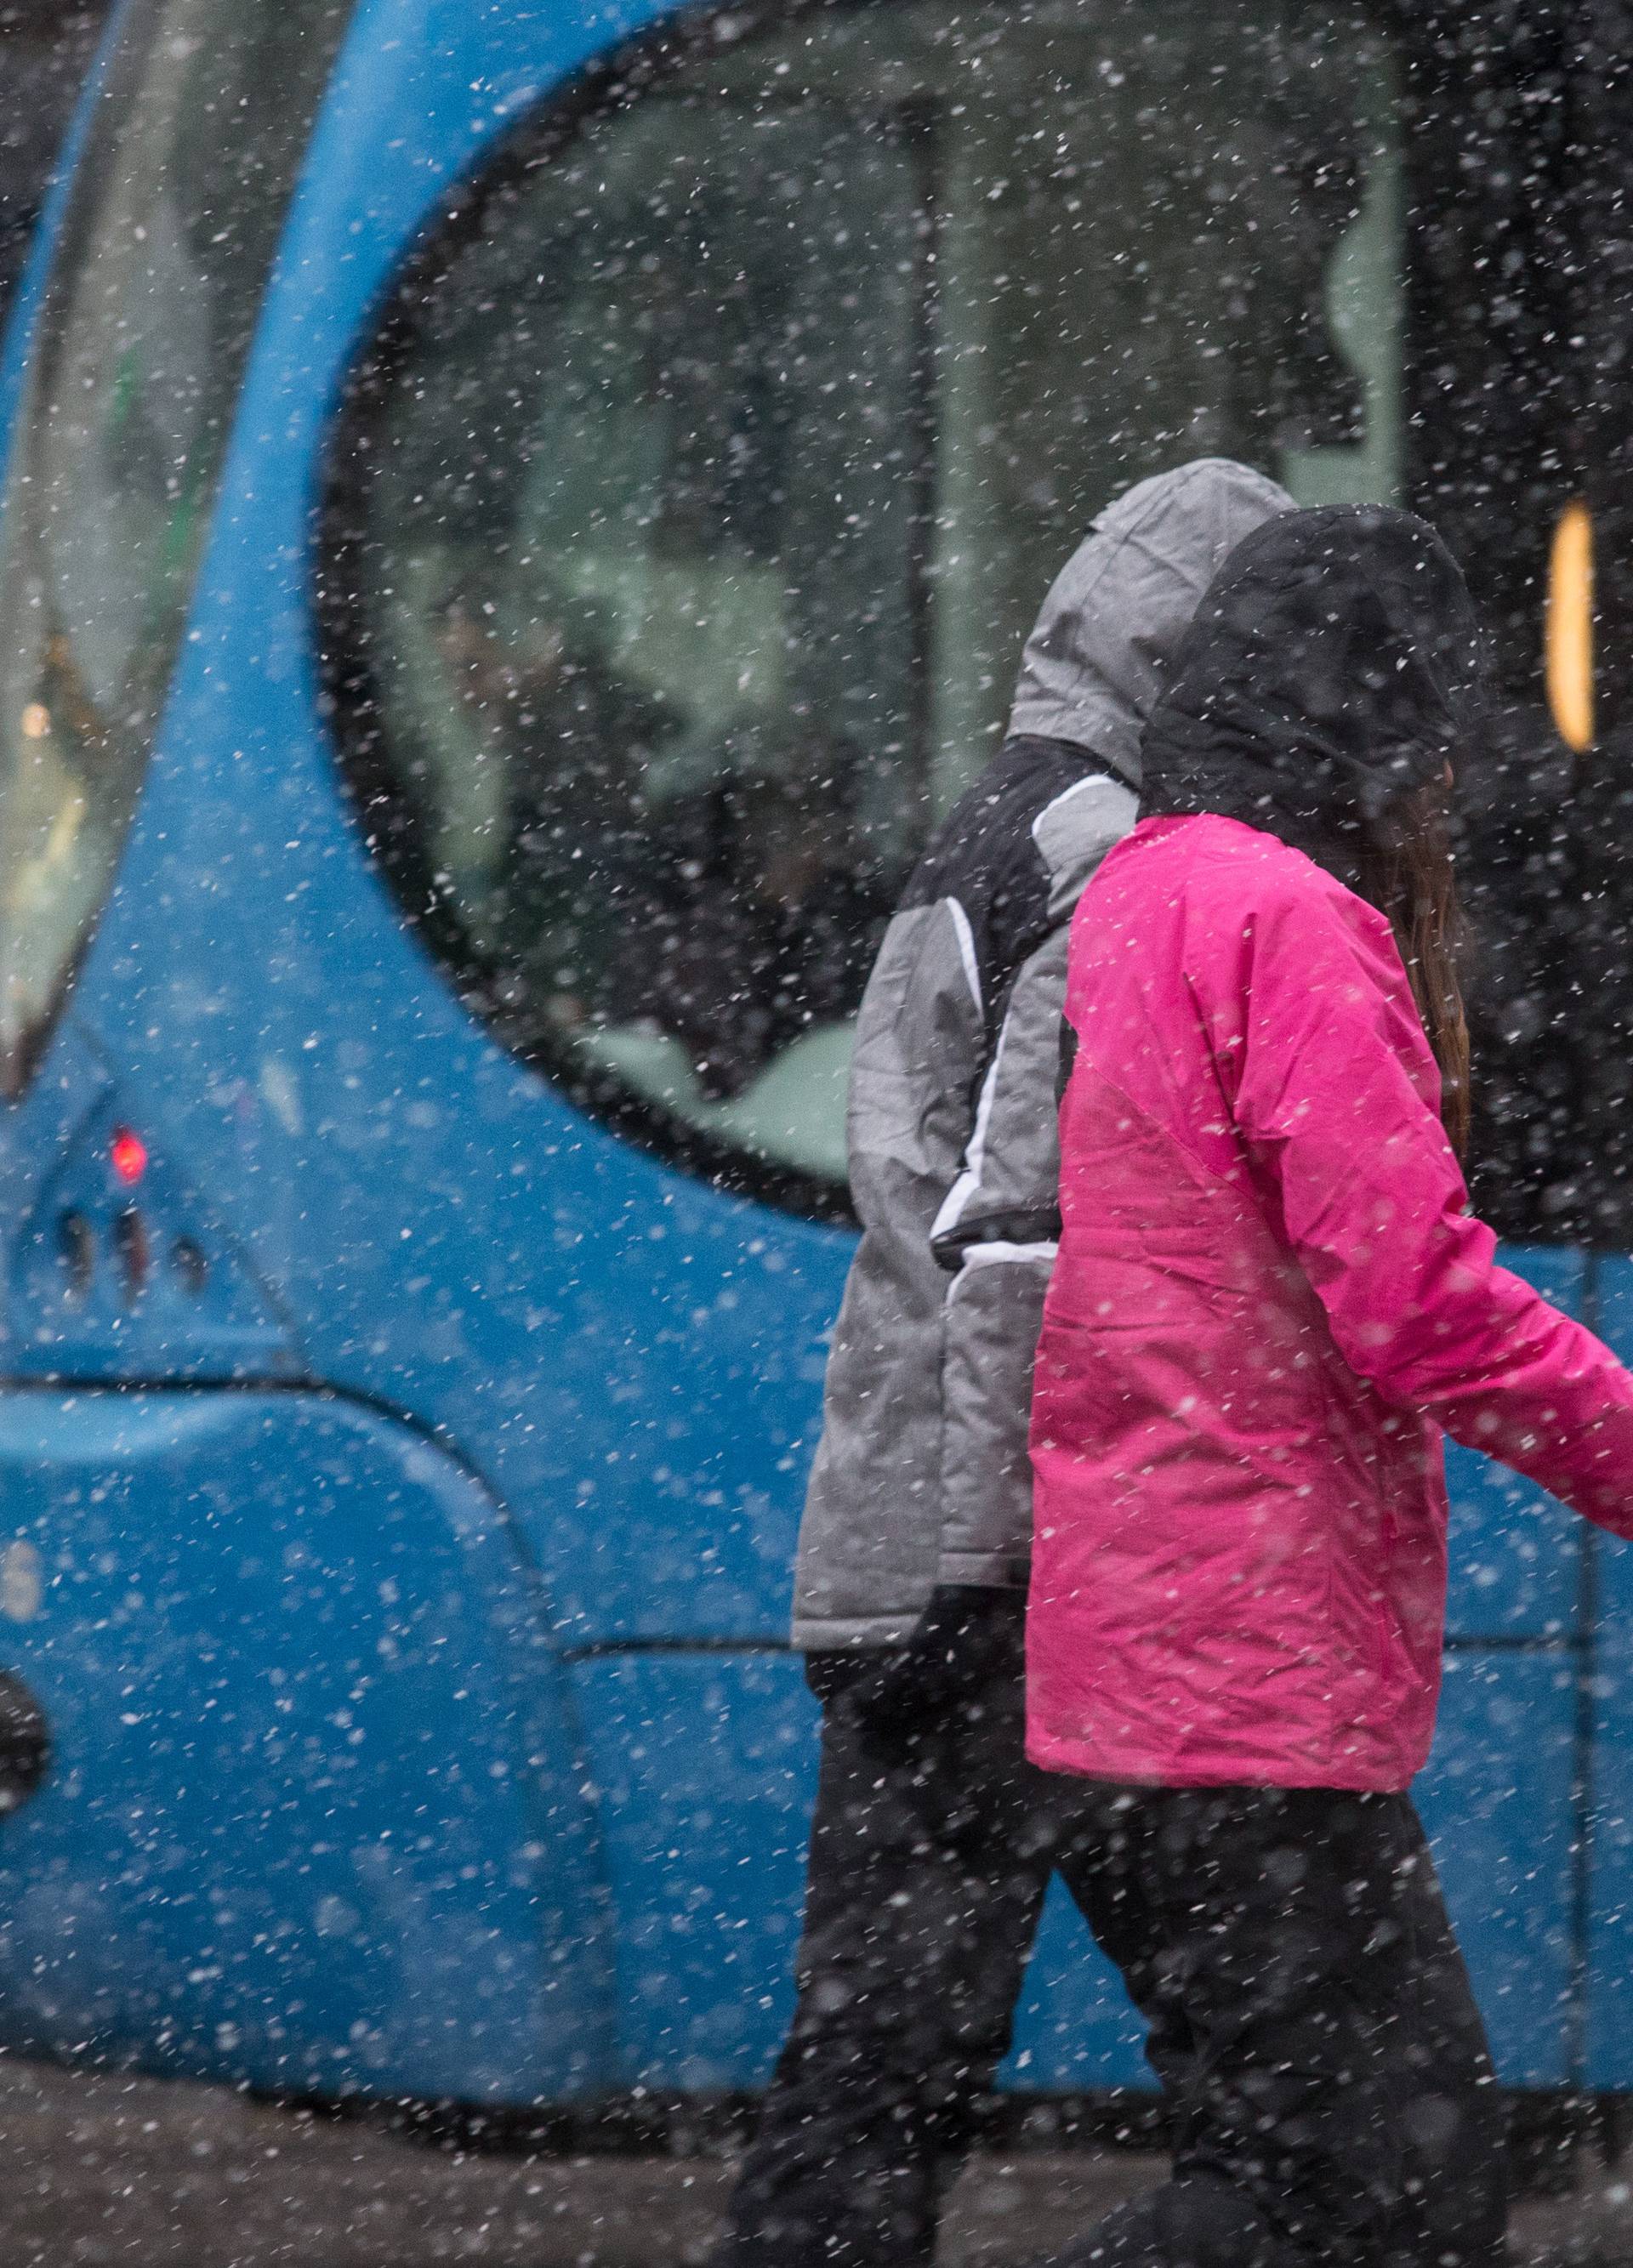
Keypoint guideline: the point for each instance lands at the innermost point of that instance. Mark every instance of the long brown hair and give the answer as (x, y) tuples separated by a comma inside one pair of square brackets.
[(1409, 873)]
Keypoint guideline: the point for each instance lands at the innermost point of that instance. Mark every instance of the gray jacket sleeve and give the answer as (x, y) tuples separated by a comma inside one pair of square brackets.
[(997, 1231), (870, 1538)]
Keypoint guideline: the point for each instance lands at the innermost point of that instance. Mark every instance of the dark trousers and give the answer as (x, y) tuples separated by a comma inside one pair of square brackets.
[(1310, 2018)]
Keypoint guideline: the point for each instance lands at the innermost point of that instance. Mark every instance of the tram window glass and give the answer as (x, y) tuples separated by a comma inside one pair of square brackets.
[(136, 366), (688, 512)]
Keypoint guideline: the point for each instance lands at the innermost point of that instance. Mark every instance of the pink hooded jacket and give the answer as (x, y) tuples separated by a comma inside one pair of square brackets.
[(1269, 1298)]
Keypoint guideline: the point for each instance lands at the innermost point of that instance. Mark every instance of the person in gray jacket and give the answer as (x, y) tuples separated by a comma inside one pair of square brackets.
[(934, 1841)]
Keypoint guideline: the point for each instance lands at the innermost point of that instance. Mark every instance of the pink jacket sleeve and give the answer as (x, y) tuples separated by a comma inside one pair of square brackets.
[(1335, 1092)]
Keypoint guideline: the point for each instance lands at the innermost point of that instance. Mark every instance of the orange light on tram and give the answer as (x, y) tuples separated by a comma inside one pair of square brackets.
[(1568, 630)]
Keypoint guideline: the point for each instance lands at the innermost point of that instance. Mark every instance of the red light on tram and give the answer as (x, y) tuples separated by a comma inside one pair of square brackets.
[(128, 1154)]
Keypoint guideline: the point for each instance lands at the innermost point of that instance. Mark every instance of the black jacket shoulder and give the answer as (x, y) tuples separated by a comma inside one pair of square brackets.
[(983, 854)]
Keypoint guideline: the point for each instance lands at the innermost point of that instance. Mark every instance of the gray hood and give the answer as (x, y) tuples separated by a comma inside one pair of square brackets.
[(1118, 609)]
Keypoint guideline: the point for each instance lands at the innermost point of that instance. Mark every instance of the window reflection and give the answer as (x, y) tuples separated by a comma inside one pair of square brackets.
[(177, 209)]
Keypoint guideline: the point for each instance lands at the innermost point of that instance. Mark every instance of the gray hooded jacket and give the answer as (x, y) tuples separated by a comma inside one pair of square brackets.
[(921, 1476)]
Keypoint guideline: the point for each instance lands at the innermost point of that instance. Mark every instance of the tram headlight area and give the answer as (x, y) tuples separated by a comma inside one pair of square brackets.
[(509, 545)]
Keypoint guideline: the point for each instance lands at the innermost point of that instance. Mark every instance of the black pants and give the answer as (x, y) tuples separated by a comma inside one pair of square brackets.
[(1310, 2018)]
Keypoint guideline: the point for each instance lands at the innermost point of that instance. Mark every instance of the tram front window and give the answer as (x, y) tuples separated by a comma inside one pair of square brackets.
[(137, 365), (690, 510)]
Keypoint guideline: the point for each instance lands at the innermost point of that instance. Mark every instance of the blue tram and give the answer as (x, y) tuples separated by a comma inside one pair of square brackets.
[(517, 518)]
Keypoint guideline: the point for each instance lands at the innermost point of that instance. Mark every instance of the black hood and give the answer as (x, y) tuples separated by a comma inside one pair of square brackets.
[(1333, 663)]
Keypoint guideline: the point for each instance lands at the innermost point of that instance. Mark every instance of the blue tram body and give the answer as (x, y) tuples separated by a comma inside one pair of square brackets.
[(409, 1394)]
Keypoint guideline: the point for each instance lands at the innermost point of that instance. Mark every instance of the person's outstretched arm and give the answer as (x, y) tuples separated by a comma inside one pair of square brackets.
[(1333, 1088)]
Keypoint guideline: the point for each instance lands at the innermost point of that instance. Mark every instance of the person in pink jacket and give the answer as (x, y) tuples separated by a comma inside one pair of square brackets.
[(1270, 1300)]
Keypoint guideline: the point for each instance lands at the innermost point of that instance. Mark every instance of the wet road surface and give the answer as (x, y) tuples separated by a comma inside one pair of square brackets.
[(142, 2173)]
